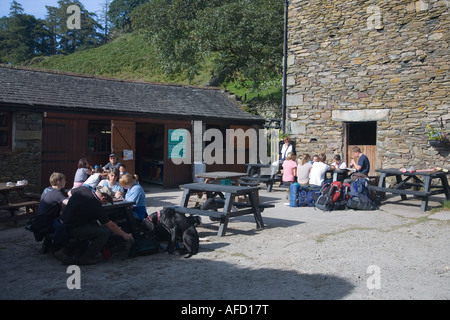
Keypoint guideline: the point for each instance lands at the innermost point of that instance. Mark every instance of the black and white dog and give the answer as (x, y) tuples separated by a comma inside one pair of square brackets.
[(169, 225)]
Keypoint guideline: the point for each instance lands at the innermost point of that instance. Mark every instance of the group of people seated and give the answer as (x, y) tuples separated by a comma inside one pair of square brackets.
[(79, 213), (312, 172)]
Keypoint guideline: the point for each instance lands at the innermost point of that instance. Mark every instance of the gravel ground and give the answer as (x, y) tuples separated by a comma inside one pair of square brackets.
[(397, 252)]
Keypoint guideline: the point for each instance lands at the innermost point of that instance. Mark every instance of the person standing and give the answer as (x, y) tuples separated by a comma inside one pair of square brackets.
[(285, 149)]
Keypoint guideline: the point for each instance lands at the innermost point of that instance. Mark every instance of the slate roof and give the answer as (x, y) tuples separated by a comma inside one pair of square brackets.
[(54, 91)]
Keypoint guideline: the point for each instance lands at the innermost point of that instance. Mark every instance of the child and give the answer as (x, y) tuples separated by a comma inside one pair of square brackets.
[(289, 168), (122, 169), (135, 193), (318, 171), (338, 164)]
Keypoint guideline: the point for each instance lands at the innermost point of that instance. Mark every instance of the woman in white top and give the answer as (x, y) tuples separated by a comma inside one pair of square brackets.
[(318, 171), (285, 149)]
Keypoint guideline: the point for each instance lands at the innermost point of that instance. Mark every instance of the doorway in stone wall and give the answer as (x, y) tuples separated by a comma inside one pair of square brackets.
[(363, 135)]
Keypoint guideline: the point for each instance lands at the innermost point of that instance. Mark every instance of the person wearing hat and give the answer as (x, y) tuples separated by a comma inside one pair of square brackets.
[(113, 163)]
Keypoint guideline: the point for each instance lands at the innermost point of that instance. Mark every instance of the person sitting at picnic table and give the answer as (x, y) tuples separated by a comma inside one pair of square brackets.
[(304, 169), (52, 201), (94, 178), (338, 164), (83, 172), (289, 169), (360, 161), (122, 170), (318, 172), (135, 193), (113, 163), (112, 182), (84, 218)]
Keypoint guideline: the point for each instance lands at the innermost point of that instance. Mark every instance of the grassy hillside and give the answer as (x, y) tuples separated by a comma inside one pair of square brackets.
[(127, 57)]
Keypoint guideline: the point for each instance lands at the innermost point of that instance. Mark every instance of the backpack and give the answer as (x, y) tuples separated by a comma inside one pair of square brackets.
[(360, 196), (330, 194), (143, 245), (306, 197)]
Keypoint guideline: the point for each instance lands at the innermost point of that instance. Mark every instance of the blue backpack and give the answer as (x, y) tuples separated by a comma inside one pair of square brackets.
[(306, 197), (360, 196)]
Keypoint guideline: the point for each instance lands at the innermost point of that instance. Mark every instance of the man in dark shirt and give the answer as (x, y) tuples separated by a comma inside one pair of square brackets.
[(113, 163), (50, 205), (363, 164), (80, 218)]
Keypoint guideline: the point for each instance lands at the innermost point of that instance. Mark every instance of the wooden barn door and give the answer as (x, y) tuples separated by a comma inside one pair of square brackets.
[(123, 142), (63, 144)]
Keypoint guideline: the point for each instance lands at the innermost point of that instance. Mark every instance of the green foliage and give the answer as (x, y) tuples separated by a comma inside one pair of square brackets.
[(127, 57), (120, 10), (244, 37)]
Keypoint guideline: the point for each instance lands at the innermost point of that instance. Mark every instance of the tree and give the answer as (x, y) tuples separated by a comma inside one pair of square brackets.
[(21, 36), (120, 10), (67, 40), (244, 37), (248, 37)]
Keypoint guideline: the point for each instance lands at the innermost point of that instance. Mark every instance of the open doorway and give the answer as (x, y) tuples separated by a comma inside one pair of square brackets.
[(363, 135), (150, 152)]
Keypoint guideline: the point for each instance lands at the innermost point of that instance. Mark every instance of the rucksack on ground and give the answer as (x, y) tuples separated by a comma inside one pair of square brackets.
[(330, 196), (307, 197), (360, 196)]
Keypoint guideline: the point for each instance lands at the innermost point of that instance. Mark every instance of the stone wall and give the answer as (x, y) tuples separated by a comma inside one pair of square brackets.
[(386, 61), (24, 161)]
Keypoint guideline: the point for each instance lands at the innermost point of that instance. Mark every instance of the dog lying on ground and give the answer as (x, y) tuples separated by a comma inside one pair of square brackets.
[(181, 227), (169, 225)]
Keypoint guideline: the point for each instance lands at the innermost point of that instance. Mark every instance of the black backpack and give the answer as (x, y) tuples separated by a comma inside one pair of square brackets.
[(330, 196)]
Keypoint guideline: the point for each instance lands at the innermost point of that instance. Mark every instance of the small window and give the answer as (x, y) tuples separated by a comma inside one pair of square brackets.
[(99, 136), (5, 130)]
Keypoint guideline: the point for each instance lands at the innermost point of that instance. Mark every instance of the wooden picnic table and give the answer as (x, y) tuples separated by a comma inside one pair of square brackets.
[(221, 197), (221, 175), (23, 201), (416, 179), (121, 212)]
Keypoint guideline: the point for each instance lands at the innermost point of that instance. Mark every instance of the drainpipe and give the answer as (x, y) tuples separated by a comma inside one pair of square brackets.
[(283, 120)]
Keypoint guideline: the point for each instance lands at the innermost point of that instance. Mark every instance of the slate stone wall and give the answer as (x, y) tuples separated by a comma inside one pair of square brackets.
[(24, 161), (386, 61)]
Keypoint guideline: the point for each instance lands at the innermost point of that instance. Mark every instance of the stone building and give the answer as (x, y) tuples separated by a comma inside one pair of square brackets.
[(371, 73)]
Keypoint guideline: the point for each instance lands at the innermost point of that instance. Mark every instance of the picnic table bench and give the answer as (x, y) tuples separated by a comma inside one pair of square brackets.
[(421, 180), (255, 175), (30, 205), (221, 197)]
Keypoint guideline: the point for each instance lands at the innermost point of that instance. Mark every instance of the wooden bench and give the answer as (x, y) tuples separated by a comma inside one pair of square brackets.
[(30, 209), (400, 191)]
